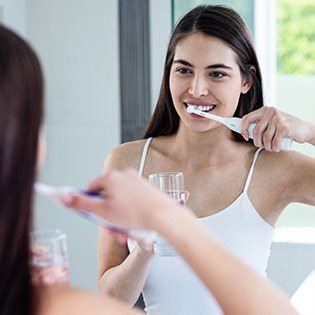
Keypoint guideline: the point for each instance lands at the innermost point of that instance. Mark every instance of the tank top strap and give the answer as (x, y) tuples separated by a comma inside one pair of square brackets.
[(251, 170), (143, 156)]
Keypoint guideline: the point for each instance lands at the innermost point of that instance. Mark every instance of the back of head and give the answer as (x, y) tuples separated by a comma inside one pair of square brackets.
[(21, 102), (226, 25)]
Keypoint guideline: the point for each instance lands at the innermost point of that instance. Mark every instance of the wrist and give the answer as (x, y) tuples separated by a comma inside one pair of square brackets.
[(145, 252), (160, 214), (167, 216)]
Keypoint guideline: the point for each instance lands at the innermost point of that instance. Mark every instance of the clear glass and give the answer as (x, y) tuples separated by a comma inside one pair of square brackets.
[(49, 259), (172, 183)]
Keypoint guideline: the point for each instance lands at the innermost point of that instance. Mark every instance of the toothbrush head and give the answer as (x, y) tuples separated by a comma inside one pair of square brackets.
[(191, 108)]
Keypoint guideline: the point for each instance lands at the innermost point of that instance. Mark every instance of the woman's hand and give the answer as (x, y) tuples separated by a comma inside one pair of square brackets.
[(146, 247), (273, 125), (50, 275), (128, 201)]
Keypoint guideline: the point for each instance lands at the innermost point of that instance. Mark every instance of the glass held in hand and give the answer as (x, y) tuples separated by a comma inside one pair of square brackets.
[(49, 257), (173, 184)]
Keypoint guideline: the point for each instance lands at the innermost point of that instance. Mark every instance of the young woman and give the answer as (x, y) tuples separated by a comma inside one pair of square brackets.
[(21, 111), (237, 188), (239, 290)]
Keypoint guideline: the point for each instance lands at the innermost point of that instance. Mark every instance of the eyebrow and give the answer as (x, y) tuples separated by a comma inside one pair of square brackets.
[(214, 66)]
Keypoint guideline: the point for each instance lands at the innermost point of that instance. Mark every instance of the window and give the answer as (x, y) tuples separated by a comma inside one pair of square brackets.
[(295, 81)]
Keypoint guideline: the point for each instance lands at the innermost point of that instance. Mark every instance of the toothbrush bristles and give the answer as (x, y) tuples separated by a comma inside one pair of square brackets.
[(191, 108)]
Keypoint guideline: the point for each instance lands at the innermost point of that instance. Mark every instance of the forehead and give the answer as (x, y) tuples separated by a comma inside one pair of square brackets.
[(199, 49)]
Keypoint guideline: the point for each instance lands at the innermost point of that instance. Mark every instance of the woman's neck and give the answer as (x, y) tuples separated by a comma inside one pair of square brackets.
[(214, 147)]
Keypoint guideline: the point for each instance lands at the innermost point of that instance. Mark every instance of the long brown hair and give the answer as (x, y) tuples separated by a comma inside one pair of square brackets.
[(225, 24), (21, 107)]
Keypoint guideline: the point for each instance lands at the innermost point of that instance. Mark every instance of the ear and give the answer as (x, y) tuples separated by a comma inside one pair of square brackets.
[(248, 81)]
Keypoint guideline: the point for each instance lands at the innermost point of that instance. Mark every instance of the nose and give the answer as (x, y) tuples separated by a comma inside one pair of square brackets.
[(199, 87)]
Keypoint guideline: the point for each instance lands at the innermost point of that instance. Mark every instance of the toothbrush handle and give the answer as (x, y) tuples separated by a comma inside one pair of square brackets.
[(286, 143)]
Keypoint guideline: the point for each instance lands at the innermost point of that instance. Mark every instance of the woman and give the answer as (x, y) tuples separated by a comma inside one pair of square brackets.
[(21, 111), (210, 63), (239, 290)]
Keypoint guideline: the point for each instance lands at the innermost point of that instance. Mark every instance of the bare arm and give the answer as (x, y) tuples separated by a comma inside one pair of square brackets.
[(122, 275), (65, 300), (302, 186)]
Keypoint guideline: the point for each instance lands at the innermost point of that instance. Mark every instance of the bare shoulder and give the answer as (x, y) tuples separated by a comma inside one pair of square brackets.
[(126, 155), (287, 164), (58, 301), (290, 176)]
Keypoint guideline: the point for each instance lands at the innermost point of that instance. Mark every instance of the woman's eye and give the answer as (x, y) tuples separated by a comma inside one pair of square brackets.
[(182, 71), (217, 75)]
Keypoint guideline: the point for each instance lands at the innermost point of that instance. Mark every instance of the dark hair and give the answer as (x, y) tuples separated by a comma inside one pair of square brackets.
[(21, 107), (225, 24)]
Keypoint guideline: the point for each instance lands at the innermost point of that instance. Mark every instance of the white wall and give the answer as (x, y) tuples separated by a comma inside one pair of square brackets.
[(12, 13), (290, 264), (78, 46)]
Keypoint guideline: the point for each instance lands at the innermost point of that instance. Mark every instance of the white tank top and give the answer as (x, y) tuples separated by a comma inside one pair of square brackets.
[(172, 288)]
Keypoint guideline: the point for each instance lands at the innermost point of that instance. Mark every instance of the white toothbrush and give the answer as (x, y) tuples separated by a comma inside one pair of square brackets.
[(235, 123), (55, 193)]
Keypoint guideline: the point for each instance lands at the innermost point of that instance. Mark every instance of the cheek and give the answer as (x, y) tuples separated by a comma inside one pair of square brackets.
[(228, 93), (177, 87)]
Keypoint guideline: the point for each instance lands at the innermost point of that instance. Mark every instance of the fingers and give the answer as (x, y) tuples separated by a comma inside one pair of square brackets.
[(187, 194), (270, 128), (267, 136), (85, 203), (252, 117), (263, 130), (276, 142), (57, 274), (120, 238)]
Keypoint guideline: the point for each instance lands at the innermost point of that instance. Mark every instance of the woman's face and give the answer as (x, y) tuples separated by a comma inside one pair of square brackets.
[(205, 73)]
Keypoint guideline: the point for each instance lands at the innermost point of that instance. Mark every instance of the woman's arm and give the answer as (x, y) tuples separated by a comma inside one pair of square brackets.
[(272, 126), (301, 187), (121, 275), (59, 300), (239, 290)]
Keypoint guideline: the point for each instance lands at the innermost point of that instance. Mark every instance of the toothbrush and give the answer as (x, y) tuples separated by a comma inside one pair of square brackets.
[(55, 193), (234, 123)]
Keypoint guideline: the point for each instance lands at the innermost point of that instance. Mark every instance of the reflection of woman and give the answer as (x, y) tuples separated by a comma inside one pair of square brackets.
[(237, 190), (239, 290), (21, 97)]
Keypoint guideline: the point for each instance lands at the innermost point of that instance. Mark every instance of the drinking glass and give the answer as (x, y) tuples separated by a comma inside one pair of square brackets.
[(49, 260), (173, 184)]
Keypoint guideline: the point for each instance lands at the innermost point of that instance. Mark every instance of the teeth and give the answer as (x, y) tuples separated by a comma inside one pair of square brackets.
[(202, 108)]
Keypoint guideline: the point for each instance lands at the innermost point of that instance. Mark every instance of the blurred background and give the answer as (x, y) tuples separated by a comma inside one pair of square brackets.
[(103, 63)]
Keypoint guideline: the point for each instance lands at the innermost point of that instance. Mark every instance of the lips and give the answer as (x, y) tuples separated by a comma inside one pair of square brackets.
[(205, 107)]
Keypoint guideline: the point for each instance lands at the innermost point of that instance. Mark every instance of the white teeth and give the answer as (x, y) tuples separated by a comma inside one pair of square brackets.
[(203, 108)]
